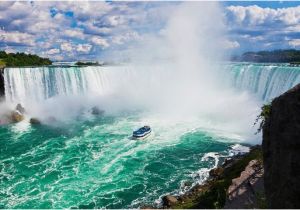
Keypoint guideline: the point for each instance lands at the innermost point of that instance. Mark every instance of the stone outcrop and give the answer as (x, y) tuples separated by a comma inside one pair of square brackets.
[(212, 193), (96, 111), (247, 191), (35, 121), (20, 108), (2, 86), (16, 116), (281, 151), (169, 200)]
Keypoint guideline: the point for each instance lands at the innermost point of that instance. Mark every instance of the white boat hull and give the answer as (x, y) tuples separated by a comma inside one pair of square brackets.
[(142, 137)]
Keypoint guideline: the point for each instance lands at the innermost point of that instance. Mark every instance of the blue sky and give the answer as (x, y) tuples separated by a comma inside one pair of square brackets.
[(95, 30)]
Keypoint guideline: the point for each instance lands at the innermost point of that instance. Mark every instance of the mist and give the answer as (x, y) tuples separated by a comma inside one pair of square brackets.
[(175, 74), (185, 59)]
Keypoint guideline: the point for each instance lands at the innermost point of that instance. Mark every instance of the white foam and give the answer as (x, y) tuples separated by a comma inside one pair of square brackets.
[(239, 149)]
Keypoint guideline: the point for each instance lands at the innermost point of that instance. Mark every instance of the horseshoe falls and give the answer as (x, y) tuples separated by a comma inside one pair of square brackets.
[(264, 80), (82, 160), (37, 84)]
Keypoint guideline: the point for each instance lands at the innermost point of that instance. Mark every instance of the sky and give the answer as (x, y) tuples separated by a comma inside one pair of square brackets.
[(67, 31)]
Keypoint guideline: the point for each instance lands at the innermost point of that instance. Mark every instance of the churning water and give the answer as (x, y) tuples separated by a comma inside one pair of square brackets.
[(87, 161)]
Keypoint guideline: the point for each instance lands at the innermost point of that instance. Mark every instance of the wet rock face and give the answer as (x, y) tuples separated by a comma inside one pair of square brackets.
[(20, 108), (2, 87), (35, 121), (246, 190), (281, 151), (169, 200), (97, 111)]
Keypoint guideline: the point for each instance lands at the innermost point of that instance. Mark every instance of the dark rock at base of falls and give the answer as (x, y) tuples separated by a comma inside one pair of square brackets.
[(281, 151), (16, 116), (2, 86), (97, 111), (20, 108), (35, 121)]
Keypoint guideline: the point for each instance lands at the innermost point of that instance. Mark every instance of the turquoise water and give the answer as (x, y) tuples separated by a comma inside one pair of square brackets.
[(93, 163), (84, 161)]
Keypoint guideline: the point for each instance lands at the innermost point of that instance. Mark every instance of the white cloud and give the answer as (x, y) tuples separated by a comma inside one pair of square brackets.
[(53, 51), (9, 50), (255, 15), (16, 38), (84, 48), (126, 37), (231, 44), (100, 24), (264, 28), (90, 28), (75, 33), (294, 43), (100, 41), (66, 47), (57, 57), (115, 20)]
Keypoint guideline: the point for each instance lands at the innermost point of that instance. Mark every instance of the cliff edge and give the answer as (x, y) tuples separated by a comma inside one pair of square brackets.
[(2, 87), (281, 151)]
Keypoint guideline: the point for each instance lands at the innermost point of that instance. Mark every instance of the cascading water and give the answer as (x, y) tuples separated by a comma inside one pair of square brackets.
[(37, 84), (92, 163), (265, 80)]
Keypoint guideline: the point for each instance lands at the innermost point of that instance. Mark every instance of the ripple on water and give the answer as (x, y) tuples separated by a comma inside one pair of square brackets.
[(94, 164)]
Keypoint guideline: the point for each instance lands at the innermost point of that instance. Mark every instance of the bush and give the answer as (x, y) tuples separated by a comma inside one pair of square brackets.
[(22, 59), (263, 116)]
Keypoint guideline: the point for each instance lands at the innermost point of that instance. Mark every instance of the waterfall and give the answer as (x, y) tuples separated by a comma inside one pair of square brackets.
[(264, 80), (40, 83), (37, 84)]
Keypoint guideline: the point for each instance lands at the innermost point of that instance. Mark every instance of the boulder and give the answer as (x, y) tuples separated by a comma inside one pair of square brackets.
[(97, 111), (281, 151), (20, 108), (247, 190), (16, 116), (186, 184), (216, 172), (169, 200), (35, 121)]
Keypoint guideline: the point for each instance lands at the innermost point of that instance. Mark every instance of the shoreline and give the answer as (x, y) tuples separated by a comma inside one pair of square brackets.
[(213, 192)]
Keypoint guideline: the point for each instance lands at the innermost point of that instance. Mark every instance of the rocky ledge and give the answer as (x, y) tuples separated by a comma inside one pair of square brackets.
[(247, 191), (2, 86), (236, 184)]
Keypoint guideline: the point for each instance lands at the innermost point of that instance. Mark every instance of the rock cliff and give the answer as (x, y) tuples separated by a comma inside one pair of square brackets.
[(2, 90), (281, 151)]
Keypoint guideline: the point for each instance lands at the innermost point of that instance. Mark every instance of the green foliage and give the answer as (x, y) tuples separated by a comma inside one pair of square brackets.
[(261, 200), (263, 116), (22, 59), (80, 63), (2, 63)]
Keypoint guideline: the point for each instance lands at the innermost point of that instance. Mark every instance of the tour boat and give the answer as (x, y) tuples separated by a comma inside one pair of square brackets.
[(142, 132)]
